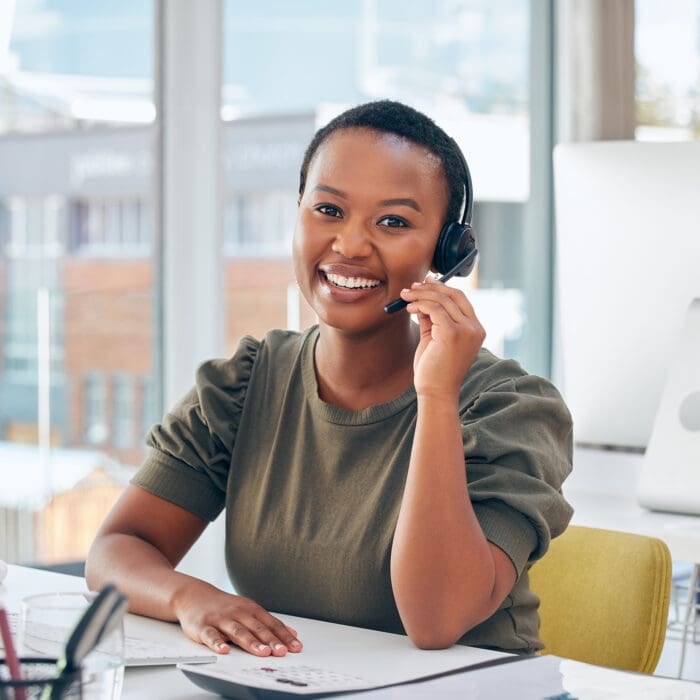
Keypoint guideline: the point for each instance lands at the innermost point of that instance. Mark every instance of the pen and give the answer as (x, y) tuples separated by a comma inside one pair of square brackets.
[(10, 654)]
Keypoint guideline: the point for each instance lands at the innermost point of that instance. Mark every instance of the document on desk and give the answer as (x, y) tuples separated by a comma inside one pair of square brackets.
[(335, 658), (539, 677), (147, 642)]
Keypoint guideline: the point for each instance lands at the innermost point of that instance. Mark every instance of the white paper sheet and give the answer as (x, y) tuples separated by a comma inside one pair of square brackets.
[(541, 678), (337, 657)]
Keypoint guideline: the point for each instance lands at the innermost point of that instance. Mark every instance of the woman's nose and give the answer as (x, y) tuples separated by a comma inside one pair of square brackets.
[(352, 241)]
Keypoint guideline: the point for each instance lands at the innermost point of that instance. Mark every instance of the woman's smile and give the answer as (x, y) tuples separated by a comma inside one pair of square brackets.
[(351, 282), (347, 284)]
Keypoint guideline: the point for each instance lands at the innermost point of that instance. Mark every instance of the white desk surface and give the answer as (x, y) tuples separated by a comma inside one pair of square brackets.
[(602, 490), (531, 679)]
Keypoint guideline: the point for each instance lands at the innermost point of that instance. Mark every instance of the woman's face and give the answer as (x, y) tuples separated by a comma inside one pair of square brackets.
[(368, 222)]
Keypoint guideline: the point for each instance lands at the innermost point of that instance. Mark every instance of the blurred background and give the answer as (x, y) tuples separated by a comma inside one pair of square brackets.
[(149, 156)]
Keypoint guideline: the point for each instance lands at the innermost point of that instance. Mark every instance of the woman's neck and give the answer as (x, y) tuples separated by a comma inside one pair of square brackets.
[(357, 372)]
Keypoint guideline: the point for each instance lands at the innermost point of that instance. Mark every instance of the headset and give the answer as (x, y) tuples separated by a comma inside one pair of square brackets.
[(455, 251)]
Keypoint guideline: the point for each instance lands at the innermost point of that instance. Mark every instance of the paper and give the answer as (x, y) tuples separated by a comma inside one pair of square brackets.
[(339, 658), (541, 678), (597, 683), (147, 642)]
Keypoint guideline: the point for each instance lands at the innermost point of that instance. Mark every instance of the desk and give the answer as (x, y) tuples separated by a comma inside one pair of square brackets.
[(141, 683), (603, 491), (535, 678)]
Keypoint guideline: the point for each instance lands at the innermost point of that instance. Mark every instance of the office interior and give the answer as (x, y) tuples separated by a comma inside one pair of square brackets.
[(149, 156)]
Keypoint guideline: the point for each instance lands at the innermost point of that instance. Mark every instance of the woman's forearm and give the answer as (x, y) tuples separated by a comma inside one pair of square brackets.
[(141, 572), (442, 568)]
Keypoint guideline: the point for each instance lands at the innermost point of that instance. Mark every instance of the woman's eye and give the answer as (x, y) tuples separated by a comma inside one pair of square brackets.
[(330, 210), (392, 222)]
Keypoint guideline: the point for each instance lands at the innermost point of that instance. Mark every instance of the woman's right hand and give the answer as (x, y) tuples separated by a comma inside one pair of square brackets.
[(137, 548), (214, 618)]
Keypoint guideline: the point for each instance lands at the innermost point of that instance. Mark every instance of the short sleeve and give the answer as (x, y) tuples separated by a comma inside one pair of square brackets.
[(518, 443), (190, 455)]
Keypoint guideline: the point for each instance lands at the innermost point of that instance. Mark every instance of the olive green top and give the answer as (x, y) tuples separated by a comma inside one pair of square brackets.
[(312, 491)]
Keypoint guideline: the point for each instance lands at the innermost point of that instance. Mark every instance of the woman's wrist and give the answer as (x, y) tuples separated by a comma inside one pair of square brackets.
[(436, 401), (186, 590)]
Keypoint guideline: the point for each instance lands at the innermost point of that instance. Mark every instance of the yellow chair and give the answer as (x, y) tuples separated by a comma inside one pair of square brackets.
[(604, 597)]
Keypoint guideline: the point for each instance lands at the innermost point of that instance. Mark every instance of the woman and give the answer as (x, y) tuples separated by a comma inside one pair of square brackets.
[(375, 471)]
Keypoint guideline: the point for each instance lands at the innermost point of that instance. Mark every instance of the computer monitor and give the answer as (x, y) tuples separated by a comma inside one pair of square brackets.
[(627, 270)]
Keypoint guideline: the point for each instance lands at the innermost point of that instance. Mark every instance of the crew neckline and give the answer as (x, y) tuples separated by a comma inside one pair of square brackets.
[(336, 414)]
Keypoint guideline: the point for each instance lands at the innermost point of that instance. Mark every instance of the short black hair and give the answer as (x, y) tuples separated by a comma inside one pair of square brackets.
[(397, 118)]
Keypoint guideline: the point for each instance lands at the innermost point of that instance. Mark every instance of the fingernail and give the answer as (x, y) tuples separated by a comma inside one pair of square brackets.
[(279, 647), (294, 644), (404, 290), (263, 647), (221, 645)]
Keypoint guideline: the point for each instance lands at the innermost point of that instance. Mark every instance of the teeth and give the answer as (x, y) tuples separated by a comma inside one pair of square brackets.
[(351, 282)]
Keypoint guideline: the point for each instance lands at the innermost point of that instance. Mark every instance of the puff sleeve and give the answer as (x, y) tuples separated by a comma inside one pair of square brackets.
[(188, 463), (518, 449)]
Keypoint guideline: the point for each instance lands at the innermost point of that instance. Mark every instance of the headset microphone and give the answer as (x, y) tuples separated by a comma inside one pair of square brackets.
[(468, 261), (455, 251)]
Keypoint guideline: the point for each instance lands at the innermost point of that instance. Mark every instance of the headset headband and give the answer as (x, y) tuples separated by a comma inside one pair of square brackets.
[(468, 192)]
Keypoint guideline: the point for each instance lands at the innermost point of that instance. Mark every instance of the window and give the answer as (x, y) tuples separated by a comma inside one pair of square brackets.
[(124, 406), (102, 227), (260, 224), (149, 405), (4, 225), (667, 53), (76, 133), (34, 234), (96, 429)]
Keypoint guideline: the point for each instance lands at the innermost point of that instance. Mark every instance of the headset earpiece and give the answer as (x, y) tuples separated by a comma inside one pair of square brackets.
[(456, 242)]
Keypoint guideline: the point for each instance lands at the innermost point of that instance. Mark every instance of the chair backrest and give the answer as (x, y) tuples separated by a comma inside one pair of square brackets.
[(604, 597)]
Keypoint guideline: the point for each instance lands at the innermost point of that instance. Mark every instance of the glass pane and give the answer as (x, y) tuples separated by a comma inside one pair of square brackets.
[(290, 67), (667, 56), (77, 324)]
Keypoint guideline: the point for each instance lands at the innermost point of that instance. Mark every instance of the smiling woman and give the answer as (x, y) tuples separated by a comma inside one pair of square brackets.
[(375, 471), (369, 216)]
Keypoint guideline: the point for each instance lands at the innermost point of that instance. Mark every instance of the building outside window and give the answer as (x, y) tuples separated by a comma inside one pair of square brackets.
[(124, 419), (116, 227), (260, 224), (149, 409), (76, 128), (34, 244), (95, 422)]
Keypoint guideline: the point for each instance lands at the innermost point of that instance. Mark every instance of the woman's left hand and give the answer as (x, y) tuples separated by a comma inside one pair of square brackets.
[(450, 337)]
